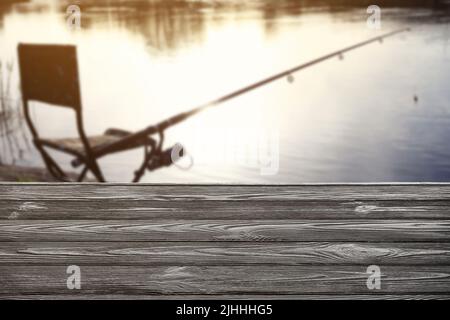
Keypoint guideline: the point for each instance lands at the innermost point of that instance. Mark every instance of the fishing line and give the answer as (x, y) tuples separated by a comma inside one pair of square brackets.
[(163, 125)]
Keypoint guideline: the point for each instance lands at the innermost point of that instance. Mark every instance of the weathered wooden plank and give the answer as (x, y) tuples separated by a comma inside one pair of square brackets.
[(226, 230), (81, 295), (270, 280), (36, 192), (172, 241), (223, 253), (118, 209)]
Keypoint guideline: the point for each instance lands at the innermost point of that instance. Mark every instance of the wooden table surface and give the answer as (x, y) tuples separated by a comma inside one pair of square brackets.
[(221, 241)]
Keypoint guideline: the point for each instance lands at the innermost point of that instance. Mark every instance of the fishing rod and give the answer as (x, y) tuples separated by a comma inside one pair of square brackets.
[(163, 125)]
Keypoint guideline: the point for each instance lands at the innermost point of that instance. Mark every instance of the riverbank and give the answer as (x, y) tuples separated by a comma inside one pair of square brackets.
[(10, 173)]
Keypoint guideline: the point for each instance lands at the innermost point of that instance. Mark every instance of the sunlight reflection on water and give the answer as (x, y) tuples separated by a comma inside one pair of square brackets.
[(341, 121)]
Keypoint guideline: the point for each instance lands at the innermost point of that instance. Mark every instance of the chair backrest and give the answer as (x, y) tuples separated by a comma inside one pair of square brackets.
[(49, 74)]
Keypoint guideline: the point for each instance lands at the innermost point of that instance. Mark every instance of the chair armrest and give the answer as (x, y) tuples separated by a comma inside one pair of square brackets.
[(117, 132)]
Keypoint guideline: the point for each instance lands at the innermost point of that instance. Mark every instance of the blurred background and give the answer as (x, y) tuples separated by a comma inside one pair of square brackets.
[(381, 114)]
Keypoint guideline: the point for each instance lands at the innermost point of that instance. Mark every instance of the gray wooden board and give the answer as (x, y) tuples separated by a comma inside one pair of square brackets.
[(226, 230), (225, 279), (125, 209), (224, 241), (223, 253)]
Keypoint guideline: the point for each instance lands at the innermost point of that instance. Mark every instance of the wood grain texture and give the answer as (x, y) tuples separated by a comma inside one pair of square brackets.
[(373, 296), (264, 279), (223, 253), (185, 193), (224, 242), (226, 230), (124, 209)]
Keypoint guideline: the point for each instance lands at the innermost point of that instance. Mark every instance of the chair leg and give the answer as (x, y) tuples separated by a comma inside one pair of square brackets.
[(92, 165), (140, 172), (52, 166), (155, 149), (82, 174), (97, 173)]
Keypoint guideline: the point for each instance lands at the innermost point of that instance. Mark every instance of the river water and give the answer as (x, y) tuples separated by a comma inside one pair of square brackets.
[(382, 113)]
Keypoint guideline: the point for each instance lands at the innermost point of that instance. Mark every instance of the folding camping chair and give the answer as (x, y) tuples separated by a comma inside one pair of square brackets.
[(49, 74)]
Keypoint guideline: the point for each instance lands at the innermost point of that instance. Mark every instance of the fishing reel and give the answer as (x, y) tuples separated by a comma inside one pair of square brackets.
[(155, 157), (166, 158)]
